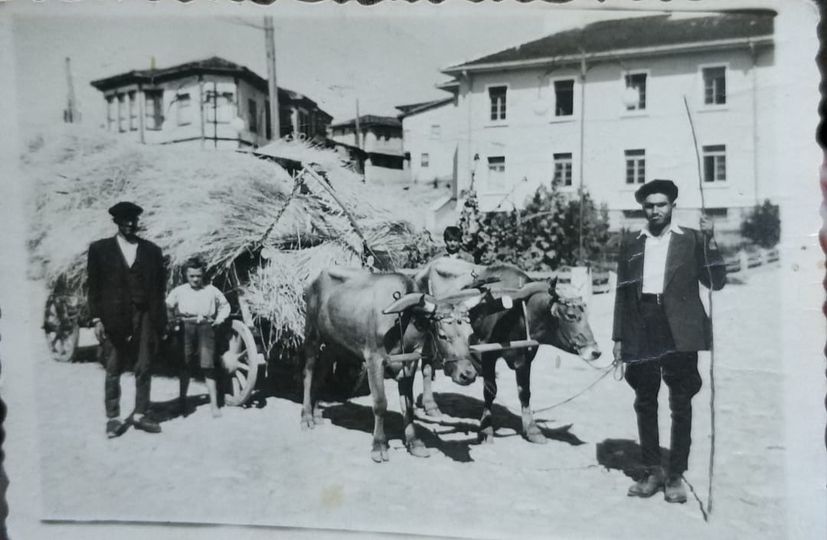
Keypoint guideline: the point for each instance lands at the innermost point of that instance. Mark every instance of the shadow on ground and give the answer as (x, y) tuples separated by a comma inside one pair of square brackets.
[(468, 410), (624, 455)]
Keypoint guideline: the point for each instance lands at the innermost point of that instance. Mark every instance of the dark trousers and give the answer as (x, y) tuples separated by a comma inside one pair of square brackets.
[(679, 371), (137, 352), (199, 346)]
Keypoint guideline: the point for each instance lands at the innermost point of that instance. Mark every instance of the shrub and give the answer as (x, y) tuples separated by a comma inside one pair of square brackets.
[(544, 235), (763, 225)]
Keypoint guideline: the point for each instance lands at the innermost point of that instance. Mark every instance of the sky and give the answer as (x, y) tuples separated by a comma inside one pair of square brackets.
[(333, 54)]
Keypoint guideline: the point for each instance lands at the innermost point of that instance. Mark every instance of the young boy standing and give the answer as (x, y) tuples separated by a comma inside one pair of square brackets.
[(201, 307)]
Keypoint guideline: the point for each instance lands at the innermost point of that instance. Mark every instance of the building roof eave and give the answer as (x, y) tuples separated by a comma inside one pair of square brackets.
[(608, 55)]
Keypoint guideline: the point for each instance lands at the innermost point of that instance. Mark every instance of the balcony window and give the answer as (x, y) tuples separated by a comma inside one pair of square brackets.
[(714, 85), (496, 173), (636, 82), (496, 97), (154, 109), (564, 98)]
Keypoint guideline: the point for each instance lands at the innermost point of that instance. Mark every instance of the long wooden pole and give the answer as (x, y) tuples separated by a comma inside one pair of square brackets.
[(712, 345), (273, 90)]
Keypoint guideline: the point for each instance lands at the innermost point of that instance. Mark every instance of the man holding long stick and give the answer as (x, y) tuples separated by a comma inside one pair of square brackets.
[(660, 325)]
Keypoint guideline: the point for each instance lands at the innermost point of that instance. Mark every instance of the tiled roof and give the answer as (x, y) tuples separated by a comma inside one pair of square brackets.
[(366, 120), (636, 33), (209, 66), (414, 108)]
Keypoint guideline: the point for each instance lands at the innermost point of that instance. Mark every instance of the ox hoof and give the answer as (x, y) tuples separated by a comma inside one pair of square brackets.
[(379, 453), (418, 449), (307, 422), (534, 435)]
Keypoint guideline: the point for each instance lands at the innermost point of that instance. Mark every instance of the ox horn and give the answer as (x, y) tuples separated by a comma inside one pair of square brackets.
[(407, 301)]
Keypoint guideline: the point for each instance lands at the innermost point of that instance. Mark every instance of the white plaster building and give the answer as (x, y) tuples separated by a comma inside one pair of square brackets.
[(376, 146), (604, 105), (198, 103)]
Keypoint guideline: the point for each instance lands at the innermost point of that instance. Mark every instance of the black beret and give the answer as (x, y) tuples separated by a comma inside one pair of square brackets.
[(125, 209), (667, 187)]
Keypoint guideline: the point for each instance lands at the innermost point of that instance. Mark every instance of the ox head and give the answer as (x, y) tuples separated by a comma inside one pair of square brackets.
[(448, 321), (559, 320)]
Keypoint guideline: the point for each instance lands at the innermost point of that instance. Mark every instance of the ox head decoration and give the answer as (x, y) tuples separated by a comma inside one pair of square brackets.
[(448, 321)]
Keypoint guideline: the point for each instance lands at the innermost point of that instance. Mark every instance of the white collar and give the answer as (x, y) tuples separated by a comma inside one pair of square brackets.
[(673, 228)]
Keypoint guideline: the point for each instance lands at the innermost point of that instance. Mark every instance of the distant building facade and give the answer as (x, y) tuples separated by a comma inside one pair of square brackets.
[(603, 105), (377, 147), (200, 103), (429, 139)]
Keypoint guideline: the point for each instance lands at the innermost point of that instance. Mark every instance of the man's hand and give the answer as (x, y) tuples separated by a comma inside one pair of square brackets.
[(100, 332), (616, 351), (707, 227)]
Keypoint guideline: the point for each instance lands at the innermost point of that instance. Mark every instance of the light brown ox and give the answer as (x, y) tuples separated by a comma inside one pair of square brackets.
[(356, 312)]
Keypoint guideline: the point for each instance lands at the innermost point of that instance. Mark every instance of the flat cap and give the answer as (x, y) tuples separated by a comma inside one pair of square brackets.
[(125, 209), (667, 187)]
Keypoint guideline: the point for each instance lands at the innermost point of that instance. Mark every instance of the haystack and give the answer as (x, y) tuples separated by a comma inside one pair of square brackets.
[(209, 203)]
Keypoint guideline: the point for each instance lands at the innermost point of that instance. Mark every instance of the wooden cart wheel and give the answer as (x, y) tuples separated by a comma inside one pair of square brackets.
[(60, 324), (240, 361)]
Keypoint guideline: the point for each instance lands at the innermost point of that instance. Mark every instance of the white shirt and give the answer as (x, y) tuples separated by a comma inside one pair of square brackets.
[(205, 302), (654, 258), (129, 249)]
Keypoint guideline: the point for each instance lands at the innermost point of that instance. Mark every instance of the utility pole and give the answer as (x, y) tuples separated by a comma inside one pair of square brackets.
[(358, 131), (70, 113), (270, 44)]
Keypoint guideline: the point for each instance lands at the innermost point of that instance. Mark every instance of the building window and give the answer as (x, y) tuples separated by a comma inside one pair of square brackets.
[(154, 110), (564, 98), (635, 166), (425, 160), (714, 85), (436, 131), (496, 173), (496, 95), (562, 169), (183, 109), (110, 112), (714, 163), (637, 83), (122, 112), (133, 112), (252, 115), (304, 122), (217, 106)]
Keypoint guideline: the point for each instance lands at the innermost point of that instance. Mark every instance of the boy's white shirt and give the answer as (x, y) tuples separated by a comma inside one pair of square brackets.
[(207, 301)]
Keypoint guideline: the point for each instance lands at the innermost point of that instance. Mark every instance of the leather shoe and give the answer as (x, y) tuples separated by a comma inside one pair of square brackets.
[(115, 428), (146, 424), (674, 492), (648, 486)]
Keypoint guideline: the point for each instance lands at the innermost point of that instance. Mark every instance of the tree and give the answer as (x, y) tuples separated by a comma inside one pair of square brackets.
[(763, 225), (542, 236)]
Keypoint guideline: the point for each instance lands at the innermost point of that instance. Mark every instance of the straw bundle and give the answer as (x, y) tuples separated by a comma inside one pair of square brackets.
[(208, 203)]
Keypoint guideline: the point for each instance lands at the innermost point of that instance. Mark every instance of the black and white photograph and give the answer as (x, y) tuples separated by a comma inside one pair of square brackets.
[(476, 270)]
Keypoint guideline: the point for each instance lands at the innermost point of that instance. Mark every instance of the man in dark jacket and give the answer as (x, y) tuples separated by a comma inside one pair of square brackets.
[(660, 325), (127, 284)]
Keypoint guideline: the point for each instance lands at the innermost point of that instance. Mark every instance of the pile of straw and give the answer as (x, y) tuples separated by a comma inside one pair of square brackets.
[(214, 204)]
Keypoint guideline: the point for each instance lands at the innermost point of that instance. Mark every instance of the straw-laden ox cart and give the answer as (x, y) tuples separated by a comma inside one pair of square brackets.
[(263, 232)]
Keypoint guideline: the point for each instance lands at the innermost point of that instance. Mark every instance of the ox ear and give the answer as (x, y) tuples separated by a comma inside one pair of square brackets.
[(404, 302)]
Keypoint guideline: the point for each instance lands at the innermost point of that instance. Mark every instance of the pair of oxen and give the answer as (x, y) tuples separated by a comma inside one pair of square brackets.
[(449, 313)]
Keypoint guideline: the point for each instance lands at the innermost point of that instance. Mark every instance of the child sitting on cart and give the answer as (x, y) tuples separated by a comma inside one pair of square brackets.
[(200, 307)]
